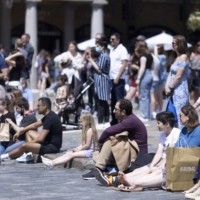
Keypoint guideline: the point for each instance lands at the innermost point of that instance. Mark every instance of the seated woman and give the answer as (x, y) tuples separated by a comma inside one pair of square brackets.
[(22, 108), (6, 112), (153, 176), (85, 149)]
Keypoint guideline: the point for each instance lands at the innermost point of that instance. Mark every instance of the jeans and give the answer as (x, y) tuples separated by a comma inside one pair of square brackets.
[(103, 111), (117, 93), (14, 146), (4, 148), (144, 94)]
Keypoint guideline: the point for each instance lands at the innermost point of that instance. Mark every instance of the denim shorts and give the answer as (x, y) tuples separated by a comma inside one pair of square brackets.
[(88, 153), (154, 86)]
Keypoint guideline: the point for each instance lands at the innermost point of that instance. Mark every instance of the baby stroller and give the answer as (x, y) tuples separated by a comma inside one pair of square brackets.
[(72, 112)]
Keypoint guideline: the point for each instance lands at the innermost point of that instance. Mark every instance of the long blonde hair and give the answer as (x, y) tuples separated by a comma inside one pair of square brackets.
[(88, 123)]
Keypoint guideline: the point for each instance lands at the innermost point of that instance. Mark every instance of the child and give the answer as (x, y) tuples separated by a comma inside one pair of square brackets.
[(61, 95), (85, 149), (152, 174)]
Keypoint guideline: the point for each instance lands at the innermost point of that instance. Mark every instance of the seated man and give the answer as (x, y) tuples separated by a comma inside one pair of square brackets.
[(49, 140), (22, 107), (151, 174), (127, 122)]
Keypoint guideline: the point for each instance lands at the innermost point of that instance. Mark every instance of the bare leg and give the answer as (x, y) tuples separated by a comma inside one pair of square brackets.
[(150, 180), (43, 85), (26, 147), (128, 179), (153, 101), (131, 93), (196, 94), (31, 135), (160, 97), (191, 190), (68, 156)]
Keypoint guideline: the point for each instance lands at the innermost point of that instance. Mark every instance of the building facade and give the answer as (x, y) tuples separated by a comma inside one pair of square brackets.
[(53, 23)]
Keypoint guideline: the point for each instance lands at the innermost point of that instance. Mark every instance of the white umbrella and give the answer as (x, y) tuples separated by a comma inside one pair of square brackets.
[(88, 43), (162, 38)]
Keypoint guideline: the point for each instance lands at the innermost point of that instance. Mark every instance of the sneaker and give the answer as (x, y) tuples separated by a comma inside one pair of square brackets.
[(25, 158), (100, 126), (89, 175), (101, 178), (47, 162), (106, 125), (143, 119)]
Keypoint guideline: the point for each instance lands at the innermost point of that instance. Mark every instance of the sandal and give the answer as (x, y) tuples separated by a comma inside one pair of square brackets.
[(119, 187), (130, 189)]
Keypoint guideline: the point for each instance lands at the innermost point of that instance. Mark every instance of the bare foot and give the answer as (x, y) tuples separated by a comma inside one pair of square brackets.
[(191, 190), (123, 179)]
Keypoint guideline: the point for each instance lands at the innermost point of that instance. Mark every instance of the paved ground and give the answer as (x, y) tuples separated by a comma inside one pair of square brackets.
[(35, 181)]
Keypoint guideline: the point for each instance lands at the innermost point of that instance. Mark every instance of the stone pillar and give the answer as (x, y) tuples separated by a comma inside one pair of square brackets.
[(97, 20), (68, 25), (32, 29), (5, 21)]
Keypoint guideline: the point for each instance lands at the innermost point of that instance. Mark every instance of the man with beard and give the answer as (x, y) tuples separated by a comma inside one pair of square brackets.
[(49, 140)]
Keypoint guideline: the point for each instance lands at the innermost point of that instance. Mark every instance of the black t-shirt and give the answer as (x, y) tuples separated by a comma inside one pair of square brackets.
[(149, 58), (10, 116), (26, 121), (52, 123), (15, 73)]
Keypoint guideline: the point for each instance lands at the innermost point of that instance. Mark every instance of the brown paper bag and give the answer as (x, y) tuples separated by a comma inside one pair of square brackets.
[(4, 132), (181, 165)]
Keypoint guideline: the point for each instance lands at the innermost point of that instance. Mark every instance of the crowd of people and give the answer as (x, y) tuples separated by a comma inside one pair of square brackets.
[(123, 143)]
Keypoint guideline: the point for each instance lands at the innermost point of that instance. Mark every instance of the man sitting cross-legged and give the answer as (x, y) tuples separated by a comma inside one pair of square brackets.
[(151, 175), (49, 140), (119, 142)]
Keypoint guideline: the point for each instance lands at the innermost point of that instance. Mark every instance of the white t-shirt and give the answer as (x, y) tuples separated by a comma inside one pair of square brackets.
[(117, 55), (75, 67), (168, 141), (156, 68)]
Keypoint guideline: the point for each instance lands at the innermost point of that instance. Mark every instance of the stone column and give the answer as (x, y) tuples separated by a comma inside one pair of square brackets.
[(32, 29), (97, 20), (68, 24), (5, 21)]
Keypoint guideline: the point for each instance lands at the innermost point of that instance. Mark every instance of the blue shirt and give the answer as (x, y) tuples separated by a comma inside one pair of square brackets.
[(27, 94), (191, 138), (3, 65)]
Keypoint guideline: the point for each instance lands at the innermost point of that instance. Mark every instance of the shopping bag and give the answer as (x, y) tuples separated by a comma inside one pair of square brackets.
[(171, 108), (4, 132), (181, 165)]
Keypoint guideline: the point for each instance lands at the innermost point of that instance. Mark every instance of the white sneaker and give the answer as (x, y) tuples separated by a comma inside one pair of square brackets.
[(106, 125), (25, 158), (100, 126), (143, 119), (47, 162), (95, 114)]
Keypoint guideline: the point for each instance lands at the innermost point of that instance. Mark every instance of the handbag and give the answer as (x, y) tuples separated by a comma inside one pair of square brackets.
[(171, 108), (181, 164), (4, 132)]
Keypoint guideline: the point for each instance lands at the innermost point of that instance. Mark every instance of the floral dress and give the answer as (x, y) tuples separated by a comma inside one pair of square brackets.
[(180, 93)]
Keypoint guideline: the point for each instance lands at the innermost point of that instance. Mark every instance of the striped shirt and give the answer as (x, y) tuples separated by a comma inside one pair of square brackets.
[(102, 81)]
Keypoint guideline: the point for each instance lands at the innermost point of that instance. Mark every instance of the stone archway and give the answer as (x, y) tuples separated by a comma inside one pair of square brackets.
[(49, 37)]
